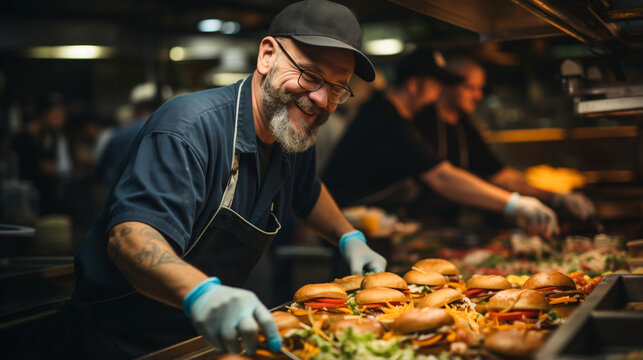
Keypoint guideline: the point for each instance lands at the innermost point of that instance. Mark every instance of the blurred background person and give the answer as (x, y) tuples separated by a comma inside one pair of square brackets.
[(43, 153), (447, 128), (144, 100)]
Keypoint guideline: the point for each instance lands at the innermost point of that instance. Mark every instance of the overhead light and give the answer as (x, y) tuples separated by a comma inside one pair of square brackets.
[(227, 78), (230, 27), (71, 52), (210, 25), (177, 53), (384, 47)]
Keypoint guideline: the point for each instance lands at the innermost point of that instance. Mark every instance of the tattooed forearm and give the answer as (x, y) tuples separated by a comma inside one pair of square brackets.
[(116, 240), (152, 233), (152, 256)]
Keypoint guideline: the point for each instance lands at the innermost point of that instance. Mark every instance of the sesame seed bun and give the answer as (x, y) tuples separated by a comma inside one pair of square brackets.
[(384, 279), (440, 265), (350, 282), (360, 326), (517, 343), (379, 295), (418, 320), (441, 297), (548, 279), (518, 300), (323, 290), (430, 278), (489, 282)]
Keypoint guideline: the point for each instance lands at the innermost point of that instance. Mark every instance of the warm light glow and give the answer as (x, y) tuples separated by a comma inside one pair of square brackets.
[(222, 79), (210, 25), (71, 52), (384, 47), (177, 53)]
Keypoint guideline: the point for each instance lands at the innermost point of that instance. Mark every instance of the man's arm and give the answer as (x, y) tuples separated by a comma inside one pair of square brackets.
[(514, 180), (150, 264), (465, 188)]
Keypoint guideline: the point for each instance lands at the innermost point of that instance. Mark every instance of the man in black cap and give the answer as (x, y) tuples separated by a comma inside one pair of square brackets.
[(382, 160), (203, 188)]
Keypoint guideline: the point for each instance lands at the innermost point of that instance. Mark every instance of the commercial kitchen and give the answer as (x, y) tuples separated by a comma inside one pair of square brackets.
[(310, 180)]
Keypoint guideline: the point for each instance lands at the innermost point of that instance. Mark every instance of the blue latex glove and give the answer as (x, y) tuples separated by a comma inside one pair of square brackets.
[(532, 215), (577, 203), (358, 255), (222, 314)]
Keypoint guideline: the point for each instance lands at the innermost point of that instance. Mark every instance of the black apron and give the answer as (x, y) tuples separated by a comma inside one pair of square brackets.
[(132, 325)]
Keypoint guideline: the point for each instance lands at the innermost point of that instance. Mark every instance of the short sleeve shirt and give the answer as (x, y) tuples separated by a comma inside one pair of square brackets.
[(174, 176), (461, 143), (378, 149)]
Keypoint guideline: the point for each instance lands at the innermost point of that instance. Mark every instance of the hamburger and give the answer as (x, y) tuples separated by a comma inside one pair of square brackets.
[(481, 288), (371, 300), (444, 267), (360, 326), (317, 300), (350, 283), (429, 330), (384, 279), (512, 305), (443, 297), (287, 324), (514, 343), (560, 290), (422, 282)]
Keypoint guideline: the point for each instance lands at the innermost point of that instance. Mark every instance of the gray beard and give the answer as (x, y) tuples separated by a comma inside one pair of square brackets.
[(290, 138)]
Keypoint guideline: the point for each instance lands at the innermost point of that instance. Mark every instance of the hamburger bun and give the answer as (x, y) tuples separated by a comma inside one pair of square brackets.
[(323, 290), (429, 278), (350, 282), (439, 265), (518, 300), (440, 298), (286, 320), (516, 343), (489, 282), (549, 278), (419, 320), (361, 325), (379, 295), (384, 279)]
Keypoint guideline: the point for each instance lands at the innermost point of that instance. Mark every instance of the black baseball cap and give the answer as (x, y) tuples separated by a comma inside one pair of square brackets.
[(327, 24), (425, 62)]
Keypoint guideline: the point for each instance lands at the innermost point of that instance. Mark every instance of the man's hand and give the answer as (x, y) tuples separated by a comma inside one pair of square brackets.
[(358, 255), (222, 314), (532, 215), (577, 203)]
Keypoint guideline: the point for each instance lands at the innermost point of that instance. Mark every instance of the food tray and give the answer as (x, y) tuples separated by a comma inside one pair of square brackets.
[(606, 326)]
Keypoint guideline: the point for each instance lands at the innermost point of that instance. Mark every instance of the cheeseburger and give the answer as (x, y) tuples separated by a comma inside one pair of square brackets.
[(446, 268), (350, 283), (513, 305), (444, 297), (515, 343), (430, 330), (481, 288), (423, 282), (559, 289), (287, 324), (384, 279), (319, 299), (372, 300)]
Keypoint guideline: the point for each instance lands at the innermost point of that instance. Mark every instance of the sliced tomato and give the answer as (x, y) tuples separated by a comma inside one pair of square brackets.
[(514, 315), (368, 306), (548, 288), (319, 305), (406, 292), (329, 300), (471, 292)]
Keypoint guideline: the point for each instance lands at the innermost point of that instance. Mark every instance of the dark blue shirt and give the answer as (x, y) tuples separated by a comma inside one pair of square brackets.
[(116, 150), (175, 174)]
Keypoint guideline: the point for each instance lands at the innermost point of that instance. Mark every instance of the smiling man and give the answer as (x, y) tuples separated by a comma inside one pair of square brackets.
[(203, 188)]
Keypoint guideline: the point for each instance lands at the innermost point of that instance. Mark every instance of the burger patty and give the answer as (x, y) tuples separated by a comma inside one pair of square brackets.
[(485, 295), (561, 293)]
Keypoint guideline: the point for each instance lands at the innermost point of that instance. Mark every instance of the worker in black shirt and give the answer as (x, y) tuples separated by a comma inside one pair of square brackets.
[(447, 128), (382, 153)]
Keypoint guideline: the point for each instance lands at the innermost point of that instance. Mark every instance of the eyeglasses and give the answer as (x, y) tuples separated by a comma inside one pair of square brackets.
[(312, 81)]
